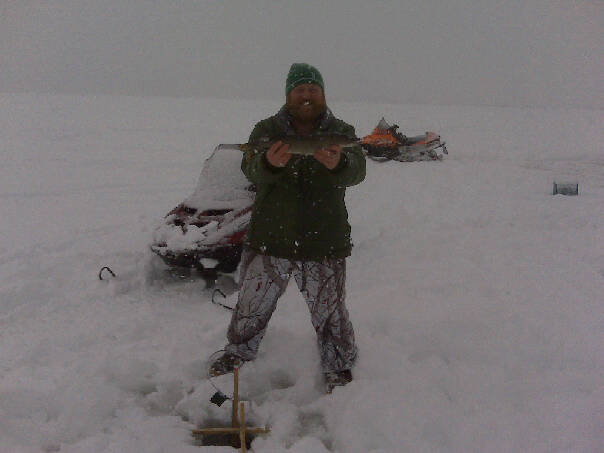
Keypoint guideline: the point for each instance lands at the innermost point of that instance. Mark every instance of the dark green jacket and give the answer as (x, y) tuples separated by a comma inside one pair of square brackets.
[(299, 211)]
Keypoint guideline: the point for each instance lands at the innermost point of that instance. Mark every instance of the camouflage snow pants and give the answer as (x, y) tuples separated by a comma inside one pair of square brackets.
[(265, 278)]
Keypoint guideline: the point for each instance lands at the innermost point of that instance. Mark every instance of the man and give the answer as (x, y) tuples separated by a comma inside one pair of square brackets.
[(299, 227)]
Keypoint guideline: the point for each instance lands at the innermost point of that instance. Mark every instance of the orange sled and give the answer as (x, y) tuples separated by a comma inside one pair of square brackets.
[(385, 143)]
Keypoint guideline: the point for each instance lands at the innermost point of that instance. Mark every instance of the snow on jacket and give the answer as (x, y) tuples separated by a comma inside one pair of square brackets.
[(299, 212)]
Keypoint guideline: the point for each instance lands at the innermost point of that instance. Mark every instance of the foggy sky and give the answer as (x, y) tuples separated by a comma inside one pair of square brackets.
[(492, 52)]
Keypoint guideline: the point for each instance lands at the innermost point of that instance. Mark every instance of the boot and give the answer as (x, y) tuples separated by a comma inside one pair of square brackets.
[(224, 364), (337, 379)]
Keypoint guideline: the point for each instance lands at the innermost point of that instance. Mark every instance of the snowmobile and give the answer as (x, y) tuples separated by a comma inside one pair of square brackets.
[(385, 143), (204, 233)]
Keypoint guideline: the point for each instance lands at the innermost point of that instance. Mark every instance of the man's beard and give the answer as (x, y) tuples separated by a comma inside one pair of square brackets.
[(306, 113)]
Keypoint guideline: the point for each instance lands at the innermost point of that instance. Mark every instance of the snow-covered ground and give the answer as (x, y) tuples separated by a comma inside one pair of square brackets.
[(476, 295)]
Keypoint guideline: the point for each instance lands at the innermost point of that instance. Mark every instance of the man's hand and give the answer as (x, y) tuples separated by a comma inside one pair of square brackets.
[(277, 154), (330, 157)]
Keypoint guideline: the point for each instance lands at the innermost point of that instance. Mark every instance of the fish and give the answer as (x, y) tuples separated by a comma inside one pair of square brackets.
[(302, 145)]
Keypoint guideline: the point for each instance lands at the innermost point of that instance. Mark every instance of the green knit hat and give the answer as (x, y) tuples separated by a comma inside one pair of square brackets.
[(300, 73)]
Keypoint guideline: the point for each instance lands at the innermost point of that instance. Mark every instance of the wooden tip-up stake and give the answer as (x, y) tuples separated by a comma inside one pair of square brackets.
[(238, 419), (235, 418)]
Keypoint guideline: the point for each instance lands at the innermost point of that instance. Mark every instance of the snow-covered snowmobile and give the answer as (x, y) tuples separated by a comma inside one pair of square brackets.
[(385, 143), (205, 232)]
